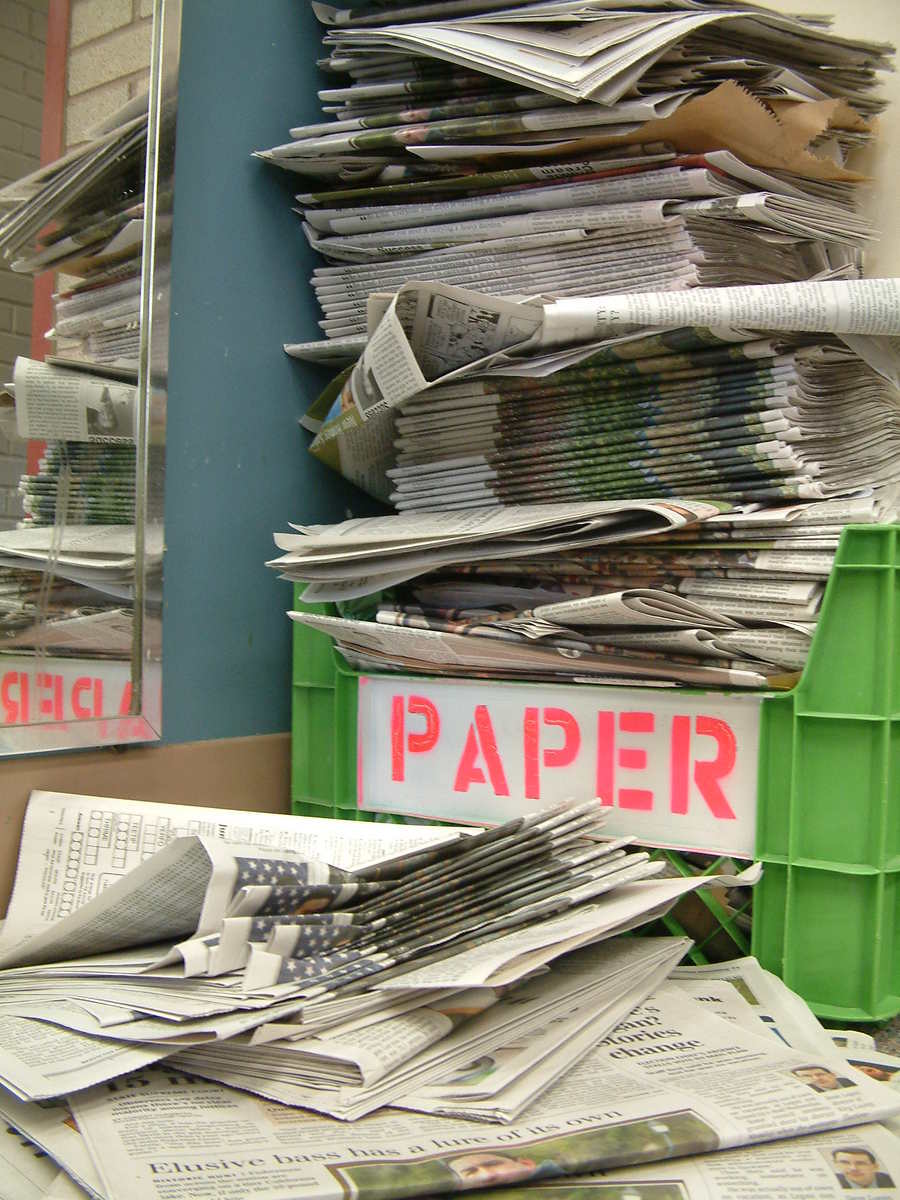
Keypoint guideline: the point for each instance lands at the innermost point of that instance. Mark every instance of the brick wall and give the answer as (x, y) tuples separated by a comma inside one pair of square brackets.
[(109, 53), (23, 34)]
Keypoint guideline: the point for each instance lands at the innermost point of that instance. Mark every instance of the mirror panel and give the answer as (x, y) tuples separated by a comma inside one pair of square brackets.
[(81, 574)]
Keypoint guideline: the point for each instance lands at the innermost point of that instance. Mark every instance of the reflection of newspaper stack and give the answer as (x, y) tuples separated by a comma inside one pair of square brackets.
[(100, 557), (81, 483), (94, 195), (67, 405)]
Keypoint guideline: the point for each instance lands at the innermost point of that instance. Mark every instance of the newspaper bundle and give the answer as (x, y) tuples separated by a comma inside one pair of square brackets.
[(738, 593), (709, 410), (599, 1064), (673, 1080), (396, 969)]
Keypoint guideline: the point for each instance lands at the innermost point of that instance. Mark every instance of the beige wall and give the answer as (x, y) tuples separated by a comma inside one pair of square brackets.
[(109, 52)]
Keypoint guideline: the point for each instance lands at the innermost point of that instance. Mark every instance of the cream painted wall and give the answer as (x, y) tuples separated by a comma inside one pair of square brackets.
[(879, 20)]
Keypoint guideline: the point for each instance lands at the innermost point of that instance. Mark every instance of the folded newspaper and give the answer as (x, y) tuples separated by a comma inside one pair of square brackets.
[(237, 947), (430, 335), (674, 1079)]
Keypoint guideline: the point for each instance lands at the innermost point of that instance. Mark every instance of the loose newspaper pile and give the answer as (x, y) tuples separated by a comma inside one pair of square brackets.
[(244, 1052)]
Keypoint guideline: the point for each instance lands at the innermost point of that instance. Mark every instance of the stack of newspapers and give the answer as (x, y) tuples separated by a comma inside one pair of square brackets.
[(237, 1028), (86, 418), (565, 148), (731, 601), (83, 214), (525, 437)]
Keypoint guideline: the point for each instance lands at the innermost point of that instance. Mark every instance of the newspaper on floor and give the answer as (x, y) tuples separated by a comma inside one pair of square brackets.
[(51, 1128), (584, 996), (672, 1080), (499, 1085), (101, 838), (481, 912), (40, 1061), (186, 887), (26, 1171), (786, 1014), (865, 1157)]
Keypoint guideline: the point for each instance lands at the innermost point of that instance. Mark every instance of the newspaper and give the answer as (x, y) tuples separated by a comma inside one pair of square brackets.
[(361, 556), (433, 333), (782, 1011), (54, 403), (823, 1165), (402, 648), (672, 1080), (589, 992), (40, 1061), (50, 1127), (26, 1171), (482, 912), (588, 60), (35, 199), (74, 847), (500, 1085), (98, 556)]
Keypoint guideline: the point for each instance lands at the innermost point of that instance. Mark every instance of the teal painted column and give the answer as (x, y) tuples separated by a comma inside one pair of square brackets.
[(236, 461)]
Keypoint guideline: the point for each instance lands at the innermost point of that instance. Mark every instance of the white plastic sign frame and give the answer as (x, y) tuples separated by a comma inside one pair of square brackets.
[(678, 769)]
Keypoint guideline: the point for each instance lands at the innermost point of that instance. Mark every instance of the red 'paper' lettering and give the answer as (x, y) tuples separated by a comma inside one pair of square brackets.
[(415, 743), (561, 756), (481, 740), (634, 758), (707, 774), (679, 764)]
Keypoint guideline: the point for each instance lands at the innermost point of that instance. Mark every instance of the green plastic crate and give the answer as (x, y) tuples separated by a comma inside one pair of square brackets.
[(825, 915)]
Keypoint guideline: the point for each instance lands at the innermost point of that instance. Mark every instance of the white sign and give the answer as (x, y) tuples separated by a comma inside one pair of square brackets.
[(677, 769)]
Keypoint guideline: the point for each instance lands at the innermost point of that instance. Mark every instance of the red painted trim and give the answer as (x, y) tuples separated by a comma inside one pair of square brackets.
[(55, 80), (52, 127)]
